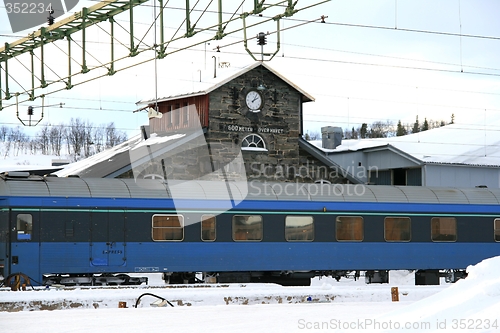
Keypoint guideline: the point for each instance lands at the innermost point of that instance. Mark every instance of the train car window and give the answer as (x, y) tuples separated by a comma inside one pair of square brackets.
[(349, 228), (247, 228), (397, 229), (208, 228), (444, 229), (299, 228), (497, 230), (24, 226), (168, 227)]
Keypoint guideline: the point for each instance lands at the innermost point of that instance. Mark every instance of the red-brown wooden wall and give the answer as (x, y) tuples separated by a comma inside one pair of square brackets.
[(180, 114)]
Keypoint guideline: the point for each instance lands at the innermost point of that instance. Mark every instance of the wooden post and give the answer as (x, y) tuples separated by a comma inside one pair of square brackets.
[(395, 294)]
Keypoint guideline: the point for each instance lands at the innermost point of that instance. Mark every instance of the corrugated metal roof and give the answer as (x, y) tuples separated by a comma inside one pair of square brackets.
[(483, 196), (58, 187), (388, 193), (21, 188), (218, 190), (419, 194), (450, 195)]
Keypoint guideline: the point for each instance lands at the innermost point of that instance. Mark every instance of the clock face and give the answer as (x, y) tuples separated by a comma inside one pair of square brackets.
[(254, 101)]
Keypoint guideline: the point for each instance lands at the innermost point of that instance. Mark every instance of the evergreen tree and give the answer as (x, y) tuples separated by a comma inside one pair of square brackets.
[(354, 133), (452, 118), (416, 126), (400, 131), (363, 131), (425, 126)]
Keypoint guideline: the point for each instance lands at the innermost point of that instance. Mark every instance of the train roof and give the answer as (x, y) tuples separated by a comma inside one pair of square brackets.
[(20, 184)]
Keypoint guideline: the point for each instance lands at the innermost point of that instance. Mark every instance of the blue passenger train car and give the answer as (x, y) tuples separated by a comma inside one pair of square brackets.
[(78, 231)]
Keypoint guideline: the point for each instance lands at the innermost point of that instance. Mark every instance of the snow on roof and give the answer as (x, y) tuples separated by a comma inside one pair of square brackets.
[(108, 154), (113, 154), (224, 76), (451, 144)]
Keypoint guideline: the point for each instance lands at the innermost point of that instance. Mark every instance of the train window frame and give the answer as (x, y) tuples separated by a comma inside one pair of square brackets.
[(362, 228), (496, 230), (303, 226), (234, 229), (159, 229), (204, 218), (433, 237), (399, 218), (24, 226)]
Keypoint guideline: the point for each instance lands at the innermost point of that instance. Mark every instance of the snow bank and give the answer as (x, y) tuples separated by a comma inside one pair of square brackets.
[(469, 305)]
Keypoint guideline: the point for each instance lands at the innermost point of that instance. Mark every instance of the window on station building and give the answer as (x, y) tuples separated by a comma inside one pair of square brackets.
[(444, 229), (24, 226), (397, 229), (247, 228), (299, 228), (253, 142), (497, 230), (208, 228), (349, 228), (168, 227)]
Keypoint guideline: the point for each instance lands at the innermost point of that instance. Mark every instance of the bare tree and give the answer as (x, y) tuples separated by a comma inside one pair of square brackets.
[(380, 129), (43, 139), (76, 135), (114, 137), (87, 140), (98, 138), (18, 140), (56, 139), (4, 131), (315, 135)]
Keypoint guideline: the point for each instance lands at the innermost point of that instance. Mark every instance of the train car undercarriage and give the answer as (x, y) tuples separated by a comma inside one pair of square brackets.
[(285, 278)]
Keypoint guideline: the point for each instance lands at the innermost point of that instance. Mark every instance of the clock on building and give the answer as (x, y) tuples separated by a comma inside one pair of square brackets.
[(254, 101)]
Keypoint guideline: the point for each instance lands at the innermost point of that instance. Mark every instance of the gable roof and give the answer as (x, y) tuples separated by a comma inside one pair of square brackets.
[(208, 85), (460, 144)]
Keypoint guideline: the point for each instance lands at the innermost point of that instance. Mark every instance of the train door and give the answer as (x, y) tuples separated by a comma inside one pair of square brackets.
[(24, 242), (4, 243), (108, 243)]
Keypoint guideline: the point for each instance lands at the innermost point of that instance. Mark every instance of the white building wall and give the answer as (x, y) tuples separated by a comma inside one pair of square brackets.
[(460, 176)]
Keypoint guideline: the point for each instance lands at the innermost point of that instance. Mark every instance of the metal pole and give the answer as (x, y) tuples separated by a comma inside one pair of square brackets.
[(215, 66)]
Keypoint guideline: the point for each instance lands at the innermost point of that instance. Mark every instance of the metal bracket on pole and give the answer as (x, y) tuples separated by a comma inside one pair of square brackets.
[(269, 55)]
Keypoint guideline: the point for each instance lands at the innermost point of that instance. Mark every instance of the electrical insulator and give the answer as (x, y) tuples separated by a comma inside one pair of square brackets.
[(50, 20), (261, 39), (30, 110)]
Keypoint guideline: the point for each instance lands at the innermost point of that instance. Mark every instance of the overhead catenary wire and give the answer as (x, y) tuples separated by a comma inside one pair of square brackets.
[(379, 65)]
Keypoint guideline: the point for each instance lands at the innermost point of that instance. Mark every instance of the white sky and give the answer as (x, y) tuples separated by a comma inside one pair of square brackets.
[(358, 66)]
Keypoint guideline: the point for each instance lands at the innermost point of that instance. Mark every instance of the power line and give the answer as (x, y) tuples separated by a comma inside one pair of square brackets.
[(403, 29), (390, 57)]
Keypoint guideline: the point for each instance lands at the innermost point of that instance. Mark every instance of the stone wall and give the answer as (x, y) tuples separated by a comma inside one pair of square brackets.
[(277, 123)]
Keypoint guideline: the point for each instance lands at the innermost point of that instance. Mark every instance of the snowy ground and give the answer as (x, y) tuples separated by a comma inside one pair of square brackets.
[(470, 305)]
